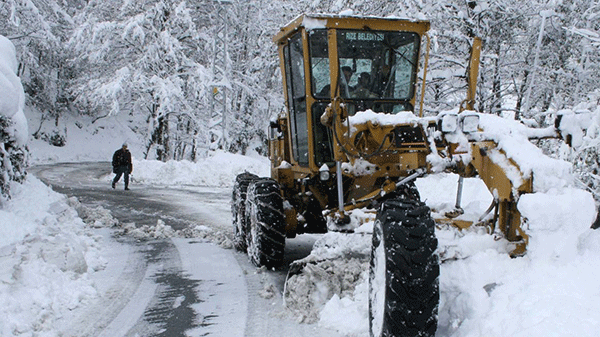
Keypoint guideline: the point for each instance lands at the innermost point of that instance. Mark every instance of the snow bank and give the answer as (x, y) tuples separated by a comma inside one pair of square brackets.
[(552, 291), (49, 252), (46, 255), (12, 96), (19, 218), (218, 169), (46, 250)]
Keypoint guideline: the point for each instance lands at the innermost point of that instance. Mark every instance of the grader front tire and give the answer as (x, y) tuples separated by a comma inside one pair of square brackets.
[(404, 271)]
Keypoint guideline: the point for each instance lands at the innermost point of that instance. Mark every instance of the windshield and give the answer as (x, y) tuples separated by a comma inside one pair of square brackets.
[(378, 65)]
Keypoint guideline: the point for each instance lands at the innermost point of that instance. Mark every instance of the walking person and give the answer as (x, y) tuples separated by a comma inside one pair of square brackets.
[(122, 165)]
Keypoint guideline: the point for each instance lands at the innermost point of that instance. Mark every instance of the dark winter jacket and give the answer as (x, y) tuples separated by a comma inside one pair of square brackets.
[(121, 158)]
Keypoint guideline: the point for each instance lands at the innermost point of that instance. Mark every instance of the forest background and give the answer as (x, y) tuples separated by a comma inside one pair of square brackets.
[(152, 61)]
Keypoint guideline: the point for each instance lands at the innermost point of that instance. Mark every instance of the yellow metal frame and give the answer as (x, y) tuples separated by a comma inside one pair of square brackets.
[(472, 74), (352, 22), (332, 23)]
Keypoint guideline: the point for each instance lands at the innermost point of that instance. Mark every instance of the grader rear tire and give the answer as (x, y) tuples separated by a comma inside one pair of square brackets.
[(266, 222), (238, 210), (404, 271)]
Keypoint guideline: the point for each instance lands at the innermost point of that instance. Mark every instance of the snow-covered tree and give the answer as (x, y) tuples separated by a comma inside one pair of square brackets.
[(257, 93), (145, 61), (39, 28), (584, 31)]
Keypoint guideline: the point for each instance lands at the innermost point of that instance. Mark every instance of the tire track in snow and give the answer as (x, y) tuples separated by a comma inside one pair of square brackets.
[(97, 317)]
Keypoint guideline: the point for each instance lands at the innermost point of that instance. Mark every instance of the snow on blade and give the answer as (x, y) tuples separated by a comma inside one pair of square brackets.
[(512, 137)]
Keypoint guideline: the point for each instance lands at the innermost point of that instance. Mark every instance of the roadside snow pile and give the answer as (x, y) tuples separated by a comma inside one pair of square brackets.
[(163, 231), (97, 217), (46, 255), (217, 169), (552, 291), (13, 124), (337, 263), (46, 250)]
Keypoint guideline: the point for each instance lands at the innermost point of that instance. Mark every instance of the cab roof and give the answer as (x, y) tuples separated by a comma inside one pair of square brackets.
[(324, 21)]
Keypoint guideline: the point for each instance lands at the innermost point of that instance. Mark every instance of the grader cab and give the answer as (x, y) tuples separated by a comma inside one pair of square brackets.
[(353, 135)]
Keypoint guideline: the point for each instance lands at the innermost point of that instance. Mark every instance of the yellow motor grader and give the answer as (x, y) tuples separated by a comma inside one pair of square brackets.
[(353, 135)]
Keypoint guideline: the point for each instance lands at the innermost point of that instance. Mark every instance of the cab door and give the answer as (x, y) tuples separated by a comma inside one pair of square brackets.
[(296, 92)]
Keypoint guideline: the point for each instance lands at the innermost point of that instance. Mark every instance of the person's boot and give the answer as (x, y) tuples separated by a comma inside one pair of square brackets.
[(126, 188), (113, 185)]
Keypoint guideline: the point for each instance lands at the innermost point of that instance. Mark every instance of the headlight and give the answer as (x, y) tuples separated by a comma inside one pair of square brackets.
[(324, 172), (448, 123), (469, 122)]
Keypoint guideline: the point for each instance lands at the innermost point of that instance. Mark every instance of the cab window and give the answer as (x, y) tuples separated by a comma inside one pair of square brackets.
[(294, 66), (319, 63)]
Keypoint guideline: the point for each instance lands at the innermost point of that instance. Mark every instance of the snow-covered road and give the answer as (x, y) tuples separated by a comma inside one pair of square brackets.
[(163, 284), (552, 291)]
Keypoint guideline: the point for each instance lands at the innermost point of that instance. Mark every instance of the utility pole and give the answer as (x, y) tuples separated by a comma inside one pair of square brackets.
[(220, 81)]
